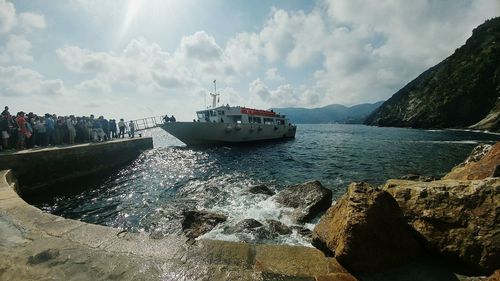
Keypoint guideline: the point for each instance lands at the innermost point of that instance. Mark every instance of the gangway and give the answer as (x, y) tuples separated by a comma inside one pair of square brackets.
[(148, 123)]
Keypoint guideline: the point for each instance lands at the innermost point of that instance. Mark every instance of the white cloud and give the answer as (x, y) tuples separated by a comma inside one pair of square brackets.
[(142, 65), (19, 81), (83, 60), (243, 50), (276, 37), (31, 21), (258, 88), (200, 46), (17, 49), (16, 29), (283, 96), (93, 87), (273, 75), (7, 16), (9, 20), (205, 57)]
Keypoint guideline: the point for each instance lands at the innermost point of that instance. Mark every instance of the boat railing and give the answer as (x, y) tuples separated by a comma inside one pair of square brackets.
[(148, 123)]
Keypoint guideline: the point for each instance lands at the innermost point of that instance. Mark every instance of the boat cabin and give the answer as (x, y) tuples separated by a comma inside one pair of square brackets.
[(237, 114)]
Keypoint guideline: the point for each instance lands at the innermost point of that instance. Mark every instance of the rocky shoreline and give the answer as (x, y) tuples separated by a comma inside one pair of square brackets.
[(375, 229)]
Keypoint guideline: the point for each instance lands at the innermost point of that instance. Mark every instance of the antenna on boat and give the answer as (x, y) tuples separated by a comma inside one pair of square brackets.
[(214, 95)]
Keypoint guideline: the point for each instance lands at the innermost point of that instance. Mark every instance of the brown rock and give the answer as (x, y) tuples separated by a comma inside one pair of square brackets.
[(308, 200), (366, 231), (415, 177), (495, 276), (458, 219), (197, 223), (482, 163)]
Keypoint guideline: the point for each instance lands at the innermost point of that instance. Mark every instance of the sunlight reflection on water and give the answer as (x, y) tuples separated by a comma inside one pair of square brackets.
[(151, 193)]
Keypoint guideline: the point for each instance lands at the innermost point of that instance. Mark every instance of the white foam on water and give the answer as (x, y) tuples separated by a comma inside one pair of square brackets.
[(241, 204)]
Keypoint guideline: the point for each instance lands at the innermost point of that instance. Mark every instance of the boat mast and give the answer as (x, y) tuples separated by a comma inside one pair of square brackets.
[(214, 95)]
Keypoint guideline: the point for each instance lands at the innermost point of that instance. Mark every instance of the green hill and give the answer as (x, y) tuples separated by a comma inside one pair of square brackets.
[(459, 92), (334, 113)]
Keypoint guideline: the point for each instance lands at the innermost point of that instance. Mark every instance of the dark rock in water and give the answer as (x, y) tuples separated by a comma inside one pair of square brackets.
[(197, 223), (256, 235), (263, 233), (252, 231), (43, 256), (278, 227), (246, 224), (366, 231), (483, 162), (415, 177), (455, 218), (261, 189), (307, 199)]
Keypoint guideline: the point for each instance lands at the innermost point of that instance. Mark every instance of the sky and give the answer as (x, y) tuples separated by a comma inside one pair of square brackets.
[(133, 59)]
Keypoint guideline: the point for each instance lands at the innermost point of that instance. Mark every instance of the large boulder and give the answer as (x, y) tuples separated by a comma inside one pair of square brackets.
[(366, 231), (483, 162), (197, 223), (307, 200), (458, 219)]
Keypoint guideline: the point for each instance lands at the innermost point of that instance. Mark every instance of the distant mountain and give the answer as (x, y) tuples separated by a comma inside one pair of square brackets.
[(334, 113), (461, 91)]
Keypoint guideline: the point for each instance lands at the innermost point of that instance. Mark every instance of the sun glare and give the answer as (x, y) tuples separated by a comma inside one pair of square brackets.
[(131, 12), (150, 15)]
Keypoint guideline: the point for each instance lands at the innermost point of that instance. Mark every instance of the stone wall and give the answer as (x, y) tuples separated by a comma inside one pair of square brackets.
[(37, 169)]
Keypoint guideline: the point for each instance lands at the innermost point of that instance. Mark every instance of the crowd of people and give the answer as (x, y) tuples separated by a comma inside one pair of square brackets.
[(21, 131)]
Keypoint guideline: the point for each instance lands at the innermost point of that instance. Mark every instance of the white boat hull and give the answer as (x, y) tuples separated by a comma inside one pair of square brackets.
[(206, 133)]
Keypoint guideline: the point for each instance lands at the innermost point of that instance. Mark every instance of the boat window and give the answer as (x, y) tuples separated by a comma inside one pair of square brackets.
[(203, 115), (268, 121), (221, 112), (236, 118), (280, 121), (213, 113), (252, 119)]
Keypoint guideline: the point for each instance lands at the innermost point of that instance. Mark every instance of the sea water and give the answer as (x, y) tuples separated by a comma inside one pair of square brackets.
[(151, 194)]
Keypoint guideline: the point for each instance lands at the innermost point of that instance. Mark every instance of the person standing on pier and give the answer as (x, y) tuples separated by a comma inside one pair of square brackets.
[(4, 131), (49, 128), (22, 130), (131, 129), (112, 128), (70, 123), (121, 126)]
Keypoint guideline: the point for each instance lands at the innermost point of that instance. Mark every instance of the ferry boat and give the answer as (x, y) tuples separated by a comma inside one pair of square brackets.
[(226, 125)]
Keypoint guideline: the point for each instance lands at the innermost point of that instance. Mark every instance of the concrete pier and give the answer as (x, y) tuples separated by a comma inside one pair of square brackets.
[(40, 168), (39, 246)]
